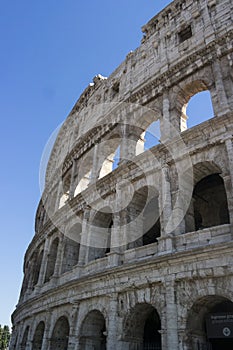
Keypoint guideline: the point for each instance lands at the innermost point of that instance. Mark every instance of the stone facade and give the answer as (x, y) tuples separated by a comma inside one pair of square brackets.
[(139, 256)]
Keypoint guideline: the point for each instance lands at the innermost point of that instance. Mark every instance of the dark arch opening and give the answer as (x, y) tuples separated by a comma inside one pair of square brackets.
[(72, 247), (152, 337), (25, 339), (52, 260), (151, 222), (209, 205), (93, 332), (209, 324), (142, 217), (101, 229), (37, 268), (142, 328), (60, 335), (38, 336)]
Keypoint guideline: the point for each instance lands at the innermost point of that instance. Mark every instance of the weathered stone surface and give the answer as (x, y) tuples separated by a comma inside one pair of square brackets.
[(149, 244)]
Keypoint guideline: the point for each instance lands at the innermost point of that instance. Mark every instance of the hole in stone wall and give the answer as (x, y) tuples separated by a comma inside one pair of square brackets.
[(185, 34), (199, 108)]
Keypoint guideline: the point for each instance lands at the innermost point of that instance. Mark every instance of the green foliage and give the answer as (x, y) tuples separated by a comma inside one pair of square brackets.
[(4, 337)]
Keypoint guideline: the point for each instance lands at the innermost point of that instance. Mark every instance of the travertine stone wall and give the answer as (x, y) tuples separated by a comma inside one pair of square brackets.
[(98, 273)]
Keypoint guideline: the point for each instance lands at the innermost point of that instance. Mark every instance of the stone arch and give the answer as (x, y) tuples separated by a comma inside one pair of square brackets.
[(52, 257), (100, 235), (142, 130), (93, 331), (183, 93), (149, 138), (24, 341), (83, 176), (209, 205), (72, 241), (108, 155), (142, 326), (66, 184), (37, 267), (38, 336), (60, 334), (145, 116), (206, 321), (199, 108), (143, 217)]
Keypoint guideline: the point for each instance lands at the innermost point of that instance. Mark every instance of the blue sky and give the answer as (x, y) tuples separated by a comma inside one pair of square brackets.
[(50, 51)]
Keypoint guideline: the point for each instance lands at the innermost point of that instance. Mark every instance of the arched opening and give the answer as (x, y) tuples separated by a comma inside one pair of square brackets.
[(195, 104), (149, 138), (72, 247), (108, 155), (208, 205), (83, 183), (210, 202), (151, 222), (65, 188), (101, 229), (199, 108), (24, 339), (38, 336), (82, 172), (143, 217), (142, 328), (209, 324), (51, 260), (93, 332), (110, 163), (60, 335), (37, 267)]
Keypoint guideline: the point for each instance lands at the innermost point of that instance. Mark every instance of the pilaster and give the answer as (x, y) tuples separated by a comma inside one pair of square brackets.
[(171, 316)]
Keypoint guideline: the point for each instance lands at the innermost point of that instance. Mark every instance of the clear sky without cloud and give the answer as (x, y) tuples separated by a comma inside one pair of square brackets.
[(50, 51)]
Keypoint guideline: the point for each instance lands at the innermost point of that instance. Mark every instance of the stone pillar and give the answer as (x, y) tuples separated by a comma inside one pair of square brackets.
[(72, 181), (59, 194), (29, 344), (228, 181), (95, 166), (135, 228), (171, 317), (165, 209), (178, 214), (31, 264), (44, 262), (124, 143), (45, 343), (112, 341), (60, 253), (84, 248), (166, 202), (73, 338), (116, 241), (189, 217), (229, 148), (165, 121), (223, 106), (130, 137)]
